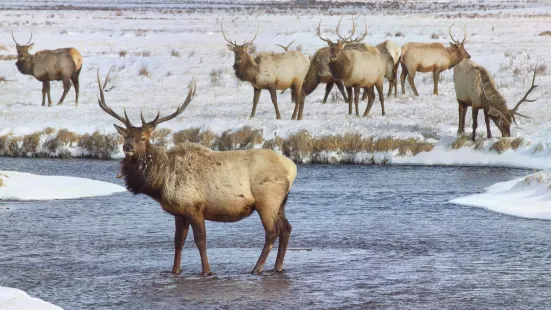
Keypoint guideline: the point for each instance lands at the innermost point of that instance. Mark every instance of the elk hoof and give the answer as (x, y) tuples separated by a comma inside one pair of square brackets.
[(176, 270), (205, 274), (256, 272), (383, 113), (489, 136)]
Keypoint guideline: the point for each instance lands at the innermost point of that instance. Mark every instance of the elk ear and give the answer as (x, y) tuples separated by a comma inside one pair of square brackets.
[(122, 131), (30, 46), (453, 44), (231, 47)]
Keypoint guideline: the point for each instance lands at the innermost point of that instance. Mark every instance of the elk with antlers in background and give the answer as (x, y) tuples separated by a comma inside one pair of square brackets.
[(62, 64), (271, 71), (194, 184), (475, 88), (431, 57), (356, 69)]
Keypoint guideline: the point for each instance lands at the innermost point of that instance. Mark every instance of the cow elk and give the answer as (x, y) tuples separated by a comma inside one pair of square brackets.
[(319, 71), (356, 69), (475, 88), (431, 57), (391, 53), (62, 64), (271, 71), (194, 184)]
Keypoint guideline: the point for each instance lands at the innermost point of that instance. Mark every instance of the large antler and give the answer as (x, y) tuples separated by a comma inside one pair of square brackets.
[(318, 32), (359, 39), (286, 48), (514, 112), (464, 35), (179, 111), (108, 110), (18, 43), (227, 40), (346, 39), (451, 35), (234, 43), (247, 43)]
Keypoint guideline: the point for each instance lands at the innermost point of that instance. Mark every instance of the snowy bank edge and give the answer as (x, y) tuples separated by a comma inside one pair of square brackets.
[(12, 298)]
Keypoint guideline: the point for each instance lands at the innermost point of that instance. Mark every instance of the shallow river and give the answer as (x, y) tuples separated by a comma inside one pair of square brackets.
[(363, 237)]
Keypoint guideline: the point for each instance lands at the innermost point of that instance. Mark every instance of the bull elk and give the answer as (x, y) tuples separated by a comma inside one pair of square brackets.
[(271, 71), (356, 69), (475, 88), (431, 57), (319, 71), (391, 53), (62, 64), (194, 184)]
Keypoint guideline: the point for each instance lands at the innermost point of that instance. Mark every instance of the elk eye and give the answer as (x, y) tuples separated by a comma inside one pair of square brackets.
[(143, 138)]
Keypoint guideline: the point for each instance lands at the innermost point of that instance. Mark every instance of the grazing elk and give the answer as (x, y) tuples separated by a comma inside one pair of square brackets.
[(431, 57), (194, 184), (391, 52), (356, 69), (271, 71), (475, 88), (319, 71), (50, 65)]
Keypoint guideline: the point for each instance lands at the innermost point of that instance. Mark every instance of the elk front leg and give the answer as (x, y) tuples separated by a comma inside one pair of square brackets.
[(395, 79), (364, 96), (300, 99), (390, 84), (487, 120), (411, 80), (380, 91), (45, 88), (403, 76), (462, 111), (76, 84), (255, 101), (66, 87), (200, 236), (273, 94), (328, 88), (357, 99), (349, 91), (435, 79), (47, 83), (370, 100), (340, 86), (180, 235), (475, 122)]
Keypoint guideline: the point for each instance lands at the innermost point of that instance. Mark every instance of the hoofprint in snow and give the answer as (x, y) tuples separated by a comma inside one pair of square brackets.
[(174, 47), (14, 299), (18, 185), (528, 197)]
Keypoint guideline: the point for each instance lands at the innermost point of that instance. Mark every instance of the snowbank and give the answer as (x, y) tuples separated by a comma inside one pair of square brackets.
[(528, 197), (14, 299), (26, 186)]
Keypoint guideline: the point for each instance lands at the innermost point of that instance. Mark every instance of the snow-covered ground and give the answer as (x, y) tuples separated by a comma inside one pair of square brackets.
[(14, 299), (175, 47), (25, 186), (528, 197)]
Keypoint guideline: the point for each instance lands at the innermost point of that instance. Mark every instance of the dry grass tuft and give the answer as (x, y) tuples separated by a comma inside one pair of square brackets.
[(144, 72), (3, 48), (545, 33), (385, 144), (31, 143), (145, 54), (460, 142), (479, 144), (538, 148), (100, 146), (435, 36), (216, 77), (244, 138), (64, 140), (299, 145), (399, 34), (175, 53), (15, 147), (275, 144), (190, 134), (501, 145), (123, 53), (517, 142), (159, 137), (8, 57), (49, 130), (541, 69), (207, 138)]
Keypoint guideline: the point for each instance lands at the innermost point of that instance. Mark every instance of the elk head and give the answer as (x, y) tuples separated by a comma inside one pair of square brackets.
[(136, 139), (459, 46), (23, 50), (240, 51), (336, 48), (503, 120)]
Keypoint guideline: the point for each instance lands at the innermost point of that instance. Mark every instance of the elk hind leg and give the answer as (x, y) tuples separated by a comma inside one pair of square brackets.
[(47, 85), (403, 76), (180, 235), (370, 100), (76, 84), (66, 87), (475, 122), (349, 91), (45, 89), (462, 113), (435, 79), (328, 88), (273, 94), (200, 236), (411, 80), (268, 219), (284, 231), (357, 98), (487, 120), (380, 91)]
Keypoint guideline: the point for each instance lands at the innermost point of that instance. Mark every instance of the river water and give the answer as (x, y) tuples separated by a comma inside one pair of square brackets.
[(363, 237)]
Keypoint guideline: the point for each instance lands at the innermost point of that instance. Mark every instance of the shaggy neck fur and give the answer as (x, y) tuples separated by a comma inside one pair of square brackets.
[(247, 70), (490, 93), (25, 65), (145, 173), (340, 68), (453, 53)]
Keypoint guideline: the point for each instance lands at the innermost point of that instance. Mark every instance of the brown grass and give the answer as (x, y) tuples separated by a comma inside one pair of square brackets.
[(145, 54), (8, 57), (144, 72), (99, 145), (299, 144), (460, 142), (190, 134), (175, 53), (14, 147), (207, 138), (49, 130), (159, 137), (123, 53), (31, 143), (545, 33), (517, 142), (538, 148), (3, 48), (244, 138), (501, 145)]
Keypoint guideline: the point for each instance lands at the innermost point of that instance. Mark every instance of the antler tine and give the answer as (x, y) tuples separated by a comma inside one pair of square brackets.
[(30, 38), (353, 31), (318, 32), (338, 27), (251, 41), (107, 79), (450, 32), (13, 37), (286, 48), (224, 34), (182, 108), (524, 99), (108, 110), (464, 35), (359, 39)]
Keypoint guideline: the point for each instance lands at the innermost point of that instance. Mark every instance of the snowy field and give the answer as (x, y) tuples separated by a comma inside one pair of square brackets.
[(14, 299), (25, 186), (174, 46)]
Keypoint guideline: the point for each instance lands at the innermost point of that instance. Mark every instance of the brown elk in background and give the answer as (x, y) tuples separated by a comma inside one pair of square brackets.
[(475, 88), (194, 184), (356, 69), (271, 71), (62, 64), (391, 53), (431, 57)]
